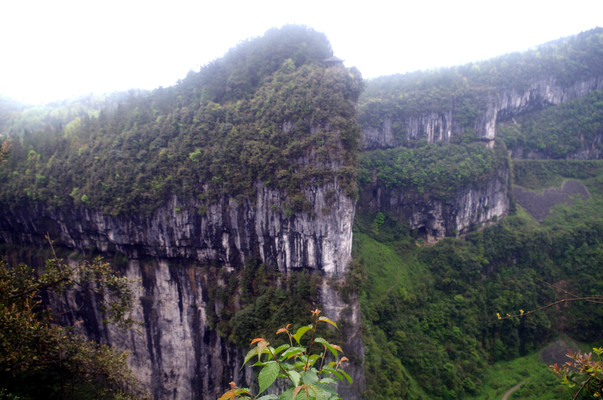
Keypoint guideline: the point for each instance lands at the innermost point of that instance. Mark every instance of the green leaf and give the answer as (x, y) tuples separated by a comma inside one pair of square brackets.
[(330, 369), (327, 345), (286, 395), (313, 358), (293, 351), (239, 391), (281, 348), (349, 378), (325, 319), (300, 332), (268, 397), (309, 377), (295, 376), (327, 381), (318, 392), (250, 355), (267, 376), (324, 386)]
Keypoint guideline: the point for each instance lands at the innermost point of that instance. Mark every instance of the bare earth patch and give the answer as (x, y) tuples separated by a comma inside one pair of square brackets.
[(538, 205)]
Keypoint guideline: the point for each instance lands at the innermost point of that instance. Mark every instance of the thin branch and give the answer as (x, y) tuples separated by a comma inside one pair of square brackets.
[(590, 299), (278, 363), (39, 288), (557, 288), (582, 387)]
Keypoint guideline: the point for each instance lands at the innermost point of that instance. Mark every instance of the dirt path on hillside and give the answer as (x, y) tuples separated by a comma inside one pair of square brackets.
[(510, 391)]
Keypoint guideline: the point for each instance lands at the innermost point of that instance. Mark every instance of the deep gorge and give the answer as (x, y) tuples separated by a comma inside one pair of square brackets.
[(191, 186)]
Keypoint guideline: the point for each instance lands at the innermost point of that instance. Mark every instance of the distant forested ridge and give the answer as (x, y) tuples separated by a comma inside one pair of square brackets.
[(429, 312), (460, 96)]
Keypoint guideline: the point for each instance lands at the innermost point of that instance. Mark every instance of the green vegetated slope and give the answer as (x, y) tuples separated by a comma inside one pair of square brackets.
[(269, 111), (17, 119), (569, 130), (437, 170), (430, 312)]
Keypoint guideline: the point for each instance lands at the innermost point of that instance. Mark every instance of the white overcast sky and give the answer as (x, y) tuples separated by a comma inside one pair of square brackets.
[(54, 49)]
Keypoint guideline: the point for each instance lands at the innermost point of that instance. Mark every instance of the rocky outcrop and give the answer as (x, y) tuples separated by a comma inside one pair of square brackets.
[(432, 127), (178, 354), (227, 232), (542, 93), (435, 218), (175, 354), (496, 107)]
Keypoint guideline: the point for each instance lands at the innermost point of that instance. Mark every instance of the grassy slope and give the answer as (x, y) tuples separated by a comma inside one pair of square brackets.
[(537, 382)]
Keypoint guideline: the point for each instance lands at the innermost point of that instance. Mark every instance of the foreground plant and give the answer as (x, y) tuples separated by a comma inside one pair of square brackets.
[(308, 372), (42, 358), (583, 373)]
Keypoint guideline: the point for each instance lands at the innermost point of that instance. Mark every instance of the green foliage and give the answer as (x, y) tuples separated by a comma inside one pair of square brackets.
[(541, 174), (269, 112), (256, 298), (563, 131), (307, 374), (536, 379), (39, 358), (18, 119), (583, 374), (429, 313), (439, 171)]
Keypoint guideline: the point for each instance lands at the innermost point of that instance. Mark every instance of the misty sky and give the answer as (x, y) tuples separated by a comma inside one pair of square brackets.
[(54, 49)]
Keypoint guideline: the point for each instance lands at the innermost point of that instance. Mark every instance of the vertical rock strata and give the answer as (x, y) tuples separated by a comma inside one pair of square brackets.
[(473, 205), (503, 105), (177, 353), (227, 233), (435, 217)]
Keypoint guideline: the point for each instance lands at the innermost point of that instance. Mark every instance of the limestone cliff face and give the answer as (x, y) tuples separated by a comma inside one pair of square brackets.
[(436, 218), (178, 354), (175, 354), (503, 105), (540, 94), (227, 231)]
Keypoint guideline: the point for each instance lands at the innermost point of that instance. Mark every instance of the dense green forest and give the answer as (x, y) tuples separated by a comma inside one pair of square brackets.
[(270, 111), (558, 132), (430, 312), (437, 170)]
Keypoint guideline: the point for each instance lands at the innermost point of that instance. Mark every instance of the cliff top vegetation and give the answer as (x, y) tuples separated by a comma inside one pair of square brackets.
[(270, 111), (463, 88)]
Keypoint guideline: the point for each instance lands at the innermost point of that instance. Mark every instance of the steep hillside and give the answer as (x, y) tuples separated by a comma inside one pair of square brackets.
[(572, 130), (421, 132)]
